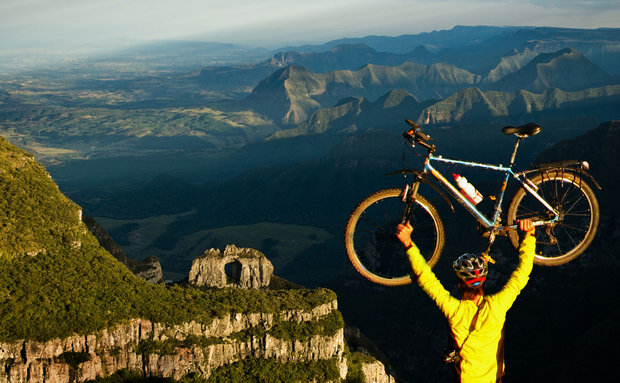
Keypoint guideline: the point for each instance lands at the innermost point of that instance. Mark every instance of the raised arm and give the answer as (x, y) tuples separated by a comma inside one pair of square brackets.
[(426, 278), (520, 276)]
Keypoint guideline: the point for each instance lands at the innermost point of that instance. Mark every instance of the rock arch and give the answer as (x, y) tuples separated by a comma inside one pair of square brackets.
[(234, 267)]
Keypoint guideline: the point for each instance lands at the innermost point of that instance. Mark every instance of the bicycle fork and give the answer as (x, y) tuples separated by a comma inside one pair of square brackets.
[(408, 198)]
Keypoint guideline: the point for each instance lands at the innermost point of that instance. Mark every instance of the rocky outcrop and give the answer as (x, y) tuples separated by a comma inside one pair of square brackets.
[(234, 267), (73, 313), (375, 373), (358, 342), (149, 268), (171, 351)]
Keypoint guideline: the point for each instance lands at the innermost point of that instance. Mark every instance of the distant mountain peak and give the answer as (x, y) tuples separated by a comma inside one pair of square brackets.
[(352, 48), (394, 98), (565, 69), (549, 57)]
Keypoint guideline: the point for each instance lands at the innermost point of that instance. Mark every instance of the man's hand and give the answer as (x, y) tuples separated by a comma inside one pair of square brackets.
[(403, 233), (526, 226)]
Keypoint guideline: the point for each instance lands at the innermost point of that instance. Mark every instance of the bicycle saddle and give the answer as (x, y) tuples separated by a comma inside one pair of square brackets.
[(527, 130)]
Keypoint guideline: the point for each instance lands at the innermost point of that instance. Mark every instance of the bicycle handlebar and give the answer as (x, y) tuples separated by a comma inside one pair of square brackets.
[(416, 137), (416, 132)]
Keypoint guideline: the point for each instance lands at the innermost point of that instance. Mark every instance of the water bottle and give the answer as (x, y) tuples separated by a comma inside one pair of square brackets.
[(467, 189)]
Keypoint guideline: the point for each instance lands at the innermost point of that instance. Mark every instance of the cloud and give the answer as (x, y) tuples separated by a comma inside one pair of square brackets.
[(577, 4), (279, 21)]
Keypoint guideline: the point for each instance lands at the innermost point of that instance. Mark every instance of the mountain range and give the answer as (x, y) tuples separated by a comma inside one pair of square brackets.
[(478, 49), (114, 116), (470, 105), (290, 95), (274, 153), (566, 69), (490, 52)]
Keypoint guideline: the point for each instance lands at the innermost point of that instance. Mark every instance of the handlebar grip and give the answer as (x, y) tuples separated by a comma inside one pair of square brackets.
[(412, 124)]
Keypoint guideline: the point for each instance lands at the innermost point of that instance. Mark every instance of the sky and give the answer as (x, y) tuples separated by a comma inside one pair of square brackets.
[(274, 23)]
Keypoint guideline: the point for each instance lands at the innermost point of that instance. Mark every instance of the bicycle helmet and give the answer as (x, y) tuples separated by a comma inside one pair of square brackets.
[(471, 269)]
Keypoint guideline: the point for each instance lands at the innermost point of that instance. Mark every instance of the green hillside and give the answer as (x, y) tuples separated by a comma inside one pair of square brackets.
[(57, 280)]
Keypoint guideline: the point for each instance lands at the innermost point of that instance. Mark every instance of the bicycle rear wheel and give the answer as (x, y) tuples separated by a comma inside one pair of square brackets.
[(370, 239), (569, 237)]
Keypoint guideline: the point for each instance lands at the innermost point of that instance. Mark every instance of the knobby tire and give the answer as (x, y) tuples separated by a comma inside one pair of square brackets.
[(370, 239)]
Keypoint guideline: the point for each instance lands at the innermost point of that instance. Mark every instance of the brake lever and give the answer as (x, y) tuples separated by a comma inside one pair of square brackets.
[(423, 136)]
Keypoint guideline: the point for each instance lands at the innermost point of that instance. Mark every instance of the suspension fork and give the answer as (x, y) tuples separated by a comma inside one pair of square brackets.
[(408, 198)]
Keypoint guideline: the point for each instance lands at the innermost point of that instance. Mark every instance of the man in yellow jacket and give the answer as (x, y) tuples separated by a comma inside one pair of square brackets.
[(477, 320)]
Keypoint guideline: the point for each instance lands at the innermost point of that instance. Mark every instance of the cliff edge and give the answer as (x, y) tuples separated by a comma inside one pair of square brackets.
[(71, 312)]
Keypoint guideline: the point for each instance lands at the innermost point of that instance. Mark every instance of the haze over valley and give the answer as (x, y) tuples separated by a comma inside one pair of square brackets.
[(176, 147)]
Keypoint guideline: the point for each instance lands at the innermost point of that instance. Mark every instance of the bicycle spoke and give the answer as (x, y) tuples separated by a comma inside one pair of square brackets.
[(570, 232), (526, 212), (557, 244), (569, 237), (566, 210), (377, 251), (568, 190), (575, 228), (554, 192), (586, 213), (372, 222), (529, 215), (375, 234)]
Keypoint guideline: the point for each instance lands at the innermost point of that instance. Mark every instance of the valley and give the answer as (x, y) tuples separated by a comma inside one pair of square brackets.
[(268, 142), (175, 153)]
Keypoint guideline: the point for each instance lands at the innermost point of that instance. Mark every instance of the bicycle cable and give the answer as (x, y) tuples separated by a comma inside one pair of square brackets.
[(406, 146)]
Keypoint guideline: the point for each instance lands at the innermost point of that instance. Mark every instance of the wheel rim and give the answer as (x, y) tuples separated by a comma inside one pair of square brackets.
[(380, 256)]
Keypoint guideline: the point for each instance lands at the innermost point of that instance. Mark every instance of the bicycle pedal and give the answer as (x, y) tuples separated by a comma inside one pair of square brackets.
[(487, 258)]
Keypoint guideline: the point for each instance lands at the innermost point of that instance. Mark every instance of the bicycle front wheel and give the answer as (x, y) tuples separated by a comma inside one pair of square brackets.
[(564, 240), (371, 243)]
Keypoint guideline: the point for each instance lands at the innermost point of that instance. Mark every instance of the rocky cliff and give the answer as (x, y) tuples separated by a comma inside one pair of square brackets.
[(175, 351), (71, 312)]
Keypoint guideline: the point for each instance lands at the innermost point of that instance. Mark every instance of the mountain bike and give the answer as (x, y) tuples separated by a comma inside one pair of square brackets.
[(557, 197)]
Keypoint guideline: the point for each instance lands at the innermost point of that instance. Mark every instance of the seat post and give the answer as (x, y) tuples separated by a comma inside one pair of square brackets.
[(514, 152)]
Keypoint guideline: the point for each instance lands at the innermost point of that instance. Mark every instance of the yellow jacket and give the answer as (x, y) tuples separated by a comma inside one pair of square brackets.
[(480, 354)]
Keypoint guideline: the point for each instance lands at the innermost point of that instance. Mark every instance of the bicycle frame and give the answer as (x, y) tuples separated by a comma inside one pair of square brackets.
[(489, 227), (550, 195), (494, 222)]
